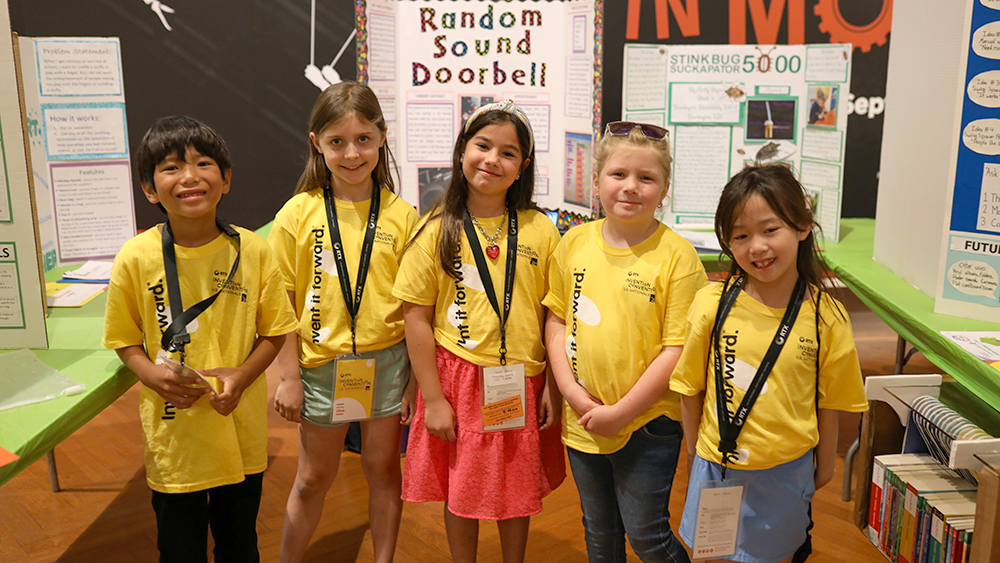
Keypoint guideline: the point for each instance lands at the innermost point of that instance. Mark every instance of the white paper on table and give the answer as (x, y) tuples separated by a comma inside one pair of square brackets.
[(91, 270), (706, 240), (75, 294), (983, 345)]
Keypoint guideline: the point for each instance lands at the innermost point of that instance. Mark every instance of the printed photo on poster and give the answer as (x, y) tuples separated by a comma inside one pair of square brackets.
[(432, 181), (578, 176), (771, 118), (813, 199), (471, 103), (823, 105)]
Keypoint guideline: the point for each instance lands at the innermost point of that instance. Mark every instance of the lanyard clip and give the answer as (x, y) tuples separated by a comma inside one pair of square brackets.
[(503, 346), (727, 447), (178, 342)]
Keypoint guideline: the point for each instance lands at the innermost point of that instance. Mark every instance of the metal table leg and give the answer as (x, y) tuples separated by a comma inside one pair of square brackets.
[(50, 460)]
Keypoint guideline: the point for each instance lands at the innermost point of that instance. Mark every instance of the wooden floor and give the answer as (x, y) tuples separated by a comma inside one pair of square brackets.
[(103, 513)]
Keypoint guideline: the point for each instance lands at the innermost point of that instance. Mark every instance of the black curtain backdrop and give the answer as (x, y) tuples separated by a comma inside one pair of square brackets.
[(239, 66)]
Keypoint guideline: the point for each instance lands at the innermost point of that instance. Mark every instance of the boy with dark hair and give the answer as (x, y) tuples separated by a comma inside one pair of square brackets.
[(196, 293)]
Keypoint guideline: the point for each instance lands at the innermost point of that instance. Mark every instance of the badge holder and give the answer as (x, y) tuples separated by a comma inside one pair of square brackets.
[(720, 511), (501, 397), (183, 369), (353, 387)]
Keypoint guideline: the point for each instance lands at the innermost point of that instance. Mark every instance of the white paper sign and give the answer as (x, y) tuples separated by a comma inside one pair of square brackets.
[(11, 308), (78, 67), (504, 382), (84, 130), (93, 208), (700, 168), (827, 64), (430, 132), (646, 73), (989, 199), (703, 103), (718, 522)]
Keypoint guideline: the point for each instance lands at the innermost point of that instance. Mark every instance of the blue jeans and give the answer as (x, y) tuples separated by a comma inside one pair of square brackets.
[(628, 493)]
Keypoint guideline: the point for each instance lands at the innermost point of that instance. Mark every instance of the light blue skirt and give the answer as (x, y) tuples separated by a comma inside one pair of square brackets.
[(776, 512)]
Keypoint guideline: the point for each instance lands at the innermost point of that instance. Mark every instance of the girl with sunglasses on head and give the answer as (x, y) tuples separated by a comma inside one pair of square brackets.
[(619, 293), (472, 281)]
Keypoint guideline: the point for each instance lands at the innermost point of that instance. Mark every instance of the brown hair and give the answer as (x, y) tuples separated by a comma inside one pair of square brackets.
[(450, 210), (332, 105)]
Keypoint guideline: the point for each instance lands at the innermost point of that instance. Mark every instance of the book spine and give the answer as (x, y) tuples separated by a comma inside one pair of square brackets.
[(875, 505), (937, 528)]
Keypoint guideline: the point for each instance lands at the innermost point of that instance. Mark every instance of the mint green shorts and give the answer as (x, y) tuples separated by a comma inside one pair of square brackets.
[(392, 376)]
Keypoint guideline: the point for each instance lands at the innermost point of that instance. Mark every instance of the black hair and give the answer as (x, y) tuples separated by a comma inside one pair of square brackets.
[(171, 136), (776, 184)]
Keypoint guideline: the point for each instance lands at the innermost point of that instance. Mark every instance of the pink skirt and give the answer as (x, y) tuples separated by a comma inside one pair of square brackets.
[(482, 475)]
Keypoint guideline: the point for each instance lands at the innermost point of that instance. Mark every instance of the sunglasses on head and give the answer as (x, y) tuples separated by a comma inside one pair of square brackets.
[(626, 127)]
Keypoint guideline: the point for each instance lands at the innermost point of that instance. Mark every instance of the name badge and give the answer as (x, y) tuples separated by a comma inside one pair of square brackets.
[(162, 358), (353, 389), (502, 404), (718, 525)]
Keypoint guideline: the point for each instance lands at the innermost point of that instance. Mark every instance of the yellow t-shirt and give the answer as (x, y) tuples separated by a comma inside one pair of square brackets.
[(781, 425), (621, 307), (197, 448), (301, 243), (464, 321)]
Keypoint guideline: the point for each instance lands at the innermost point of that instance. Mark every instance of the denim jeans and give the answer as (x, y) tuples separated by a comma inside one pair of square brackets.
[(628, 493)]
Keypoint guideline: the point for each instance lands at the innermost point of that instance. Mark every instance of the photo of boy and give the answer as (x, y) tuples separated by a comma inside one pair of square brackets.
[(823, 106)]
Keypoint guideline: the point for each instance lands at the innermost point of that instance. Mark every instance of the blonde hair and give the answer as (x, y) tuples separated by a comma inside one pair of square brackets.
[(332, 105), (609, 143)]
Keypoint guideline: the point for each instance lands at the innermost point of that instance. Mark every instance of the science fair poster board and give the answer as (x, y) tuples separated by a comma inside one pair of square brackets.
[(75, 104), (432, 63), (22, 309), (730, 105), (970, 256)]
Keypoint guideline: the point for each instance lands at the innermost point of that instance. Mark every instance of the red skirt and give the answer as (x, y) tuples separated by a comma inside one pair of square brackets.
[(482, 475)]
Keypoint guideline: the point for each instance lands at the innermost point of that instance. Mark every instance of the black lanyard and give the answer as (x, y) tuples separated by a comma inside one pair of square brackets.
[(484, 274), (176, 336), (729, 429), (366, 255)]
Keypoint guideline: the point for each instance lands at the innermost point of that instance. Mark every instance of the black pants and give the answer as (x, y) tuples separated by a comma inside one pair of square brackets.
[(183, 520)]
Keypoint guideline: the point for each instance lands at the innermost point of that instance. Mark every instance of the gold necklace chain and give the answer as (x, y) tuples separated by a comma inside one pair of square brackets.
[(492, 240)]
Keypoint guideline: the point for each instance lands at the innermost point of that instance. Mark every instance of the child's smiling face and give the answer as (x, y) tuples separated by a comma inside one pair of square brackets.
[(350, 149), (631, 184), (764, 246), (492, 161), (188, 186)]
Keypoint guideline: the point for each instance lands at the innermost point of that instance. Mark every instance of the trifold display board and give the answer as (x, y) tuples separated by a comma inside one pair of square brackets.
[(433, 62), (730, 105), (22, 311), (970, 250), (75, 102)]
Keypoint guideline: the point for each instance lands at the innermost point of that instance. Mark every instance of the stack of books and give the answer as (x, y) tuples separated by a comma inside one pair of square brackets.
[(921, 511)]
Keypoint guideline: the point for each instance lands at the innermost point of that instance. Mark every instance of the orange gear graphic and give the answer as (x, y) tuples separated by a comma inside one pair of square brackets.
[(861, 36)]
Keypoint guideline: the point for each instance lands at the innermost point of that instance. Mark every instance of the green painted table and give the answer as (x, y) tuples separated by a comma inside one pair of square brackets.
[(31, 431)]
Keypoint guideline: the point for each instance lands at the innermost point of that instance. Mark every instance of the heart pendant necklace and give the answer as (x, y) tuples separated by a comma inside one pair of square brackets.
[(492, 249)]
